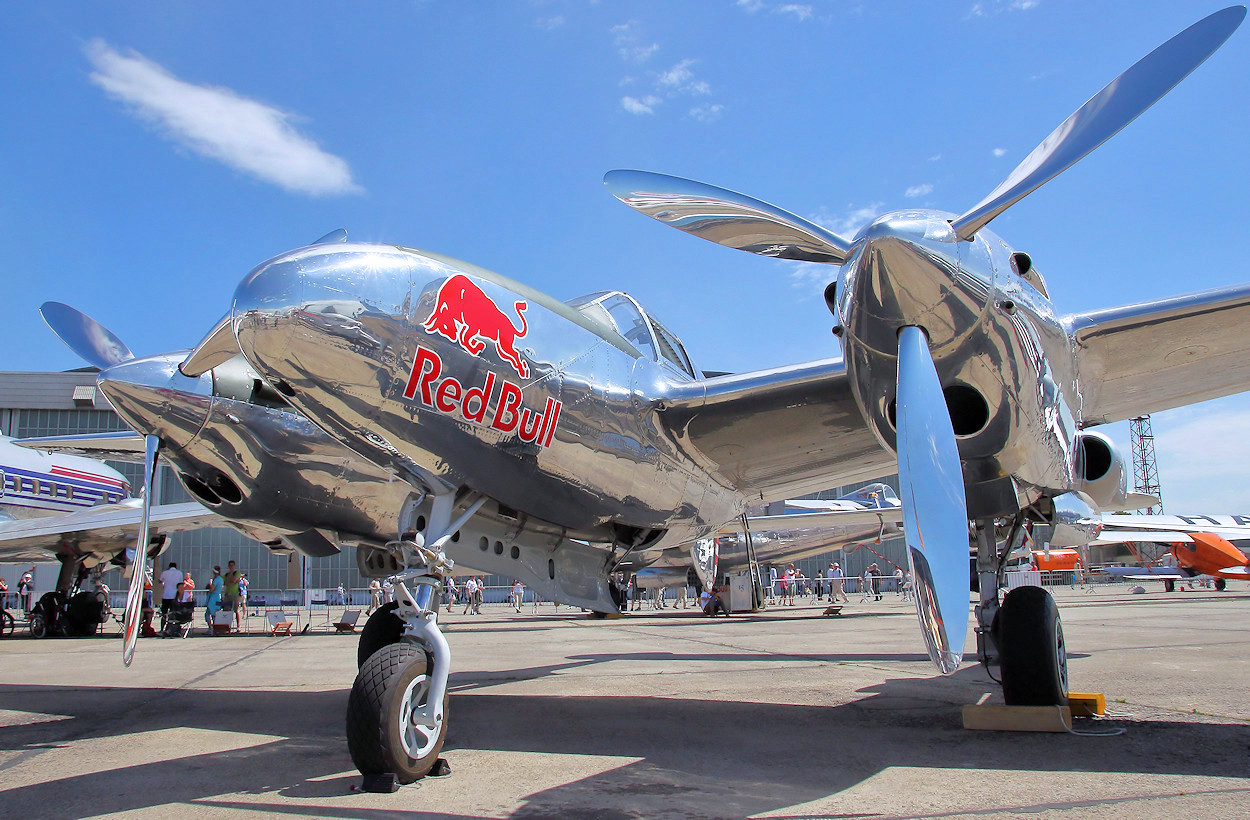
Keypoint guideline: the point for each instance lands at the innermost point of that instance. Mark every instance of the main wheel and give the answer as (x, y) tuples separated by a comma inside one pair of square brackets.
[(381, 733), (7, 623), (383, 628), (1220, 584), (38, 626), (1169, 585), (1032, 655)]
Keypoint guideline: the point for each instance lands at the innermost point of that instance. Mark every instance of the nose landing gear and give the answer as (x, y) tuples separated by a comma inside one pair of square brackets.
[(397, 710)]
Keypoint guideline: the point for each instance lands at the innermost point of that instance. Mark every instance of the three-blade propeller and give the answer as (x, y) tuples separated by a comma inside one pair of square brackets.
[(930, 473)]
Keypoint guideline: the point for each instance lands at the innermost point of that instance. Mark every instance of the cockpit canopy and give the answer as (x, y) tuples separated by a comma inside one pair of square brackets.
[(619, 312)]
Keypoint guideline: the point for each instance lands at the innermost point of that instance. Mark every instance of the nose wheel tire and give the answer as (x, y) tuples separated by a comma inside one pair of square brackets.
[(383, 628), (382, 732), (1032, 654)]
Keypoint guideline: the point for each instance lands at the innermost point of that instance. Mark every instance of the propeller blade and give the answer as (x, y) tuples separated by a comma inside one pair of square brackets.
[(726, 217), (92, 341), (138, 566), (218, 347), (1119, 103), (935, 519)]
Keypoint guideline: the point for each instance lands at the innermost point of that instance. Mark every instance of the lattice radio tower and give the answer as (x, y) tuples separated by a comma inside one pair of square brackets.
[(1145, 470)]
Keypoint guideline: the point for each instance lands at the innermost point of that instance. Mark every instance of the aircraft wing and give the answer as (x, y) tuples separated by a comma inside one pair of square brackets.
[(778, 433), (1118, 529), (826, 518), (1154, 356), (1130, 536), (103, 530), (122, 446)]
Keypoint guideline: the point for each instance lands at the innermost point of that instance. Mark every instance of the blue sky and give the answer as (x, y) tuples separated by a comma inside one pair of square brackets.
[(154, 153)]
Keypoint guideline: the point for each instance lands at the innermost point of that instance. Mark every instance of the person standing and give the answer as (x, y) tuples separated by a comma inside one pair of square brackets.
[(518, 594), (470, 591), (213, 605), (898, 581), (479, 593), (244, 584), (26, 587), (170, 579), (230, 591), (451, 593), (836, 581), (375, 595)]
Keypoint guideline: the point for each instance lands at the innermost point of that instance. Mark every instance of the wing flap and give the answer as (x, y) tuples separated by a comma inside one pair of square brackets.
[(1149, 357), (777, 433)]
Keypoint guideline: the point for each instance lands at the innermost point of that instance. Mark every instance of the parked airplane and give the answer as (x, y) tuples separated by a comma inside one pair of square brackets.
[(78, 511), (1199, 545), (545, 429)]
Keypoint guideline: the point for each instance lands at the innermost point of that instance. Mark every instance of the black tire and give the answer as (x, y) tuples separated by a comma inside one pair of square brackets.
[(8, 624), (377, 720), (1032, 654), (1220, 584), (383, 628), (38, 626), (1169, 586), (83, 615)]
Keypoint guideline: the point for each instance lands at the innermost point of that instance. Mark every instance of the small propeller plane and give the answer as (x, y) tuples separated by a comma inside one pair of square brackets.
[(573, 436)]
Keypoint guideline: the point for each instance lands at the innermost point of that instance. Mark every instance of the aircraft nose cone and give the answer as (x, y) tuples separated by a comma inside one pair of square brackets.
[(153, 397)]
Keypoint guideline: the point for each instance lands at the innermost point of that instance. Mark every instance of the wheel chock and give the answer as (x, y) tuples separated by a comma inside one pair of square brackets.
[(996, 718), (1087, 704), (384, 783)]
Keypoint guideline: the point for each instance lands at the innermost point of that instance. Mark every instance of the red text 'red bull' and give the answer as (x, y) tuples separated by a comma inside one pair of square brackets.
[(464, 314), (448, 395)]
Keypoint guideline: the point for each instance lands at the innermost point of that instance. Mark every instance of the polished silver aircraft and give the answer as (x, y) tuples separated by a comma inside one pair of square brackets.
[(536, 430)]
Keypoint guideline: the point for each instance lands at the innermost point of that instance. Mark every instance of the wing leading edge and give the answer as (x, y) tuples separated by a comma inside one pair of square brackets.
[(1149, 357), (103, 530)]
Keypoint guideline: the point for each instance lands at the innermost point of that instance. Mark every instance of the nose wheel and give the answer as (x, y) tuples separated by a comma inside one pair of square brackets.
[(390, 725)]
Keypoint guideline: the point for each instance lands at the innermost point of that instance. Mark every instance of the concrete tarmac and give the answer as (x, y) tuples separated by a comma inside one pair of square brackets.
[(664, 714)]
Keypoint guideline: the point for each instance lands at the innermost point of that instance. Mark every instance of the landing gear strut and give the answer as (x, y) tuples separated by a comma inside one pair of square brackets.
[(1022, 635), (397, 710)]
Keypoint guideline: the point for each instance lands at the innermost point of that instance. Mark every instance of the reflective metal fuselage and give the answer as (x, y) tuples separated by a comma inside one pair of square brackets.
[(457, 378), (268, 471)]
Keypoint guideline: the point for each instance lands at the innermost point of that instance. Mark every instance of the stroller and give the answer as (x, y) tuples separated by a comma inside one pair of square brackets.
[(178, 623)]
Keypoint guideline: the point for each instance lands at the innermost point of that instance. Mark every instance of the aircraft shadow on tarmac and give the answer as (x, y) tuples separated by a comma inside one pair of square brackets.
[(694, 756)]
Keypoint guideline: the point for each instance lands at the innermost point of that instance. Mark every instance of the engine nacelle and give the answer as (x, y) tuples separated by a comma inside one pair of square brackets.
[(1100, 472)]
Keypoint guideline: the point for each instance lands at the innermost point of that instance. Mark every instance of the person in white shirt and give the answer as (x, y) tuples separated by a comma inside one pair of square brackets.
[(835, 583), (170, 579), (898, 581), (518, 594), (470, 589)]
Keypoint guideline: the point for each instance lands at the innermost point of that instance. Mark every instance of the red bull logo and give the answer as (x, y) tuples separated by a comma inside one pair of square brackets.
[(450, 396), (464, 314)]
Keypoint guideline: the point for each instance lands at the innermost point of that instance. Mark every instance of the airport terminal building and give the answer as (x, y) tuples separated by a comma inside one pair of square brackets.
[(47, 404)]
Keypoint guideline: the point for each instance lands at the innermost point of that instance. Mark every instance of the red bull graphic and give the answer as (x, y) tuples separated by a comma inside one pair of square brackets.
[(464, 314), (448, 395)]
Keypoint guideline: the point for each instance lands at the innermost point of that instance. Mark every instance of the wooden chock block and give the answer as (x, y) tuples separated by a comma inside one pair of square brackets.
[(1087, 704), (996, 718)]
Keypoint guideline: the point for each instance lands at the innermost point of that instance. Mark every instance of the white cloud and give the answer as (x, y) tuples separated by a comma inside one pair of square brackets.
[(220, 124), (629, 43), (750, 6), (678, 76), (1202, 456), (991, 7), (935, 158), (798, 11), (919, 190), (847, 223), (707, 113), (550, 23), (646, 105), (999, 152)]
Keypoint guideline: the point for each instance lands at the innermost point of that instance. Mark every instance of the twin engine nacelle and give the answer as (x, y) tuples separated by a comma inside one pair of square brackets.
[(1099, 472)]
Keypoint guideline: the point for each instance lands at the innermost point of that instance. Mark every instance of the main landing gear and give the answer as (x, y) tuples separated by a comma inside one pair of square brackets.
[(1022, 635), (397, 710)]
